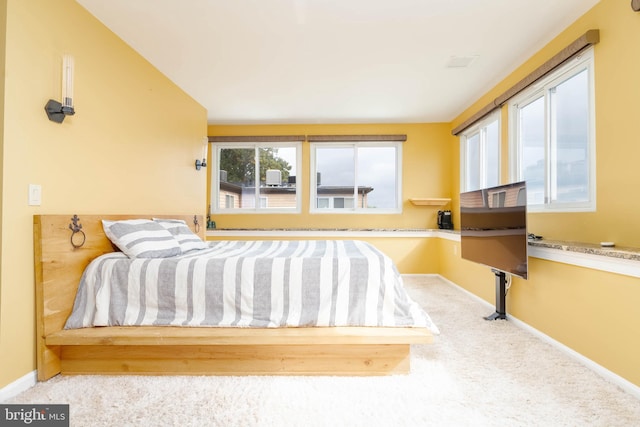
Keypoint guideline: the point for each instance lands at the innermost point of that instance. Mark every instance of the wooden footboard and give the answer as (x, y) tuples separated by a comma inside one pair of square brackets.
[(236, 351), (174, 350)]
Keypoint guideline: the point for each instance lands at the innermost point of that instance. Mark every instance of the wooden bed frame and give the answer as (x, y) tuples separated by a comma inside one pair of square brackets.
[(145, 350)]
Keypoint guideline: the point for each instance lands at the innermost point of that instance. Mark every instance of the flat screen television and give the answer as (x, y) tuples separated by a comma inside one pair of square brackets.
[(493, 227)]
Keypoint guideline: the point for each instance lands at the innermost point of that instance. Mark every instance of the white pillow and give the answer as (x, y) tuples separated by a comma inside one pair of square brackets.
[(186, 238), (141, 238)]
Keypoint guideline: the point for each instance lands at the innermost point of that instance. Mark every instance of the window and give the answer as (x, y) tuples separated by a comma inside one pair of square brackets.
[(553, 138), (480, 155), (497, 199), (335, 202), (521, 199), (256, 177), (361, 177)]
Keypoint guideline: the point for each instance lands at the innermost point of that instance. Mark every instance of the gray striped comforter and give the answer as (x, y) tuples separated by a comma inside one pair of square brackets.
[(249, 284)]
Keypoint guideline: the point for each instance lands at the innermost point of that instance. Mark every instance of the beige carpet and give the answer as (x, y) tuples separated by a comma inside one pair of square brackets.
[(477, 373)]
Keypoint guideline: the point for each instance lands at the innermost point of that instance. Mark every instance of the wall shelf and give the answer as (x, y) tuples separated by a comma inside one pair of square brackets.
[(431, 201)]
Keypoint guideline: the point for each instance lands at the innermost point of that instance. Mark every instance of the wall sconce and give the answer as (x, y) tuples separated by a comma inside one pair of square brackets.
[(57, 111), (205, 150)]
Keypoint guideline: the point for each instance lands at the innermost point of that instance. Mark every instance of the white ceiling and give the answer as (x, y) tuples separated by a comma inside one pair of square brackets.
[(335, 61)]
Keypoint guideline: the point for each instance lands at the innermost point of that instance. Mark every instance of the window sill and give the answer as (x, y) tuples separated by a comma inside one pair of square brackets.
[(631, 254), (328, 233), (620, 260), (430, 201)]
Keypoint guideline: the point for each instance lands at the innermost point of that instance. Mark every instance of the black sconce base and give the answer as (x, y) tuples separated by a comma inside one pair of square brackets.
[(56, 112), (201, 164)]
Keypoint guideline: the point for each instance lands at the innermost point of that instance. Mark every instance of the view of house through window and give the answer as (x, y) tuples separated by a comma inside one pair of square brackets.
[(256, 177), (355, 177)]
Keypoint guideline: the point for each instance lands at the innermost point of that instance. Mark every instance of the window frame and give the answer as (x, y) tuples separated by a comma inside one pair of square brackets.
[(584, 61), (255, 145), (480, 128), (313, 196)]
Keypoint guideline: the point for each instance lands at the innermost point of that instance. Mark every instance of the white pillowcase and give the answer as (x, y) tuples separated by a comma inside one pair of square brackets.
[(141, 238), (186, 238)]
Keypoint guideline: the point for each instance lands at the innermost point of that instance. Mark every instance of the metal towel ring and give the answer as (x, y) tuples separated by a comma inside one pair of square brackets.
[(196, 223), (76, 228)]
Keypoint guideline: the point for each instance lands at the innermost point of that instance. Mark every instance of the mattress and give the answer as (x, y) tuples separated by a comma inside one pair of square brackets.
[(262, 283)]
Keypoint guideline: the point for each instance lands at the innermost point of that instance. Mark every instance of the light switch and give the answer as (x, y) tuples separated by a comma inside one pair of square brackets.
[(35, 194)]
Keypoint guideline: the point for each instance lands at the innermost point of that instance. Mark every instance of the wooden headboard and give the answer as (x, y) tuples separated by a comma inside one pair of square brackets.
[(59, 265)]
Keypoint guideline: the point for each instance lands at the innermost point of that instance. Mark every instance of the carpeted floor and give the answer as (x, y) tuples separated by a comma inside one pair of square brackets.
[(477, 373)]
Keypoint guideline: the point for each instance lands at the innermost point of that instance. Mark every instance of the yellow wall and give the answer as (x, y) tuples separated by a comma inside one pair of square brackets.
[(130, 148), (426, 156), (593, 312), (3, 39)]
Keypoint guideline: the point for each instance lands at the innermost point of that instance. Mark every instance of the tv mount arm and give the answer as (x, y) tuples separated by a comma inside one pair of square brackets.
[(501, 294)]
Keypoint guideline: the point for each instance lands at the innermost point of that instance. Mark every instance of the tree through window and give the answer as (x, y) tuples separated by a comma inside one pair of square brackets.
[(256, 177)]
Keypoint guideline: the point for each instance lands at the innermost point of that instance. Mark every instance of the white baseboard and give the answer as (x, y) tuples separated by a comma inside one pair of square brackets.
[(18, 386), (612, 377)]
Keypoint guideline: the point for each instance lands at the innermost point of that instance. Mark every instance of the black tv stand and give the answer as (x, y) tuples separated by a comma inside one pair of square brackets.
[(501, 294)]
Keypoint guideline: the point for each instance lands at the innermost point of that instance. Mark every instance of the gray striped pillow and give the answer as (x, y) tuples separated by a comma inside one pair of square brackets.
[(187, 240), (141, 238)]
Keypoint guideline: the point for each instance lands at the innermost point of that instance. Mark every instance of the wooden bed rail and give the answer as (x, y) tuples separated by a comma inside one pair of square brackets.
[(146, 350)]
